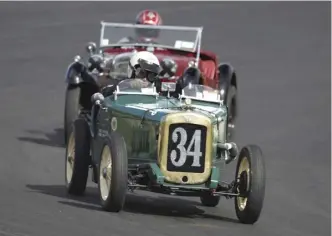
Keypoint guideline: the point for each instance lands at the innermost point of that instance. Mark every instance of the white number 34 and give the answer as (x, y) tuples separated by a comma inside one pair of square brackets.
[(194, 148)]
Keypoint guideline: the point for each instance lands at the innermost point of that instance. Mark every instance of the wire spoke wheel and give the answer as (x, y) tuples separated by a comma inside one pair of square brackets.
[(113, 173), (250, 176), (244, 178), (77, 158), (105, 173), (70, 160)]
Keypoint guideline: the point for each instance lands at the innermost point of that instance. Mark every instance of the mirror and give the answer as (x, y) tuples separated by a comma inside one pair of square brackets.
[(91, 48)]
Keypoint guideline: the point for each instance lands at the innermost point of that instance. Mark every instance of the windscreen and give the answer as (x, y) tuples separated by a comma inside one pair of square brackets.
[(201, 92), (184, 38), (136, 86)]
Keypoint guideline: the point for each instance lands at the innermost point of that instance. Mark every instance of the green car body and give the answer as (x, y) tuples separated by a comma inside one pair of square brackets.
[(140, 120), (138, 140)]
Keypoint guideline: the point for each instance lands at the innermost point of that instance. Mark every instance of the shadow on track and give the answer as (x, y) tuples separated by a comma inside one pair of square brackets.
[(135, 203), (52, 139)]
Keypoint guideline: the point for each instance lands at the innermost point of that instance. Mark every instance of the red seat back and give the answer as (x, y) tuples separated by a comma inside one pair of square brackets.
[(208, 69)]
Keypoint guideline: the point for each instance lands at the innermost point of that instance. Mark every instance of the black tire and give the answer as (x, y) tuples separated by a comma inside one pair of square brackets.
[(253, 187), (232, 112), (80, 171), (114, 197), (72, 108), (209, 200)]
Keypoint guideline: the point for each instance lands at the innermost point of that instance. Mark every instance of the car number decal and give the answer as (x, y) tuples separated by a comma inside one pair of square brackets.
[(186, 148)]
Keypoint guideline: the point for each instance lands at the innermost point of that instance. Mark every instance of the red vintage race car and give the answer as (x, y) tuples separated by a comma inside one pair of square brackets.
[(178, 48)]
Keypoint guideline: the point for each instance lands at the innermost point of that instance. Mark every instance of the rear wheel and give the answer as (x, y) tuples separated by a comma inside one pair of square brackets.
[(113, 174), (250, 175), (72, 109), (78, 158)]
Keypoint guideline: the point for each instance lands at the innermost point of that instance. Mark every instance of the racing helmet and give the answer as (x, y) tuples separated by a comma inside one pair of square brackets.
[(144, 65), (148, 17)]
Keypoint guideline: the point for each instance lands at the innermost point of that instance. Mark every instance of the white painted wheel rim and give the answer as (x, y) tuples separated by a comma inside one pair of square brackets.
[(244, 166), (105, 173), (70, 158)]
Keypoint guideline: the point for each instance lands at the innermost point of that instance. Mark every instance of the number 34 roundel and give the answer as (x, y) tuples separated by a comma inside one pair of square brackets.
[(186, 148)]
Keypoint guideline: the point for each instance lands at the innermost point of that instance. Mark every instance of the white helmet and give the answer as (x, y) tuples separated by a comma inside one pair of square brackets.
[(142, 65)]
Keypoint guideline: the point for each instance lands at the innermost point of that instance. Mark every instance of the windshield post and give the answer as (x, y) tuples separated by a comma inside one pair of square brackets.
[(199, 42), (101, 33)]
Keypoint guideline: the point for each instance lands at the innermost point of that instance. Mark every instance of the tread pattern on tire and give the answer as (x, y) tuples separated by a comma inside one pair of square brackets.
[(116, 199), (82, 158), (71, 108), (257, 185)]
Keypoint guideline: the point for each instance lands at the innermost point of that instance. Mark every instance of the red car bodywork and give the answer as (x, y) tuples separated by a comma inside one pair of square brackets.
[(208, 62)]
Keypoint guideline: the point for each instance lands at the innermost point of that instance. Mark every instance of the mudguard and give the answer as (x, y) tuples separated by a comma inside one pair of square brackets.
[(73, 73), (93, 127), (227, 77), (77, 73), (226, 73)]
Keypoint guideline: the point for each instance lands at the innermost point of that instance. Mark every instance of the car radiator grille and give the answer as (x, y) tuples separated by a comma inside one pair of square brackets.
[(185, 147)]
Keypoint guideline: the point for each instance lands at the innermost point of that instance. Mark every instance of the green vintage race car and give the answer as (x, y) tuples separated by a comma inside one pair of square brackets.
[(134, 138)]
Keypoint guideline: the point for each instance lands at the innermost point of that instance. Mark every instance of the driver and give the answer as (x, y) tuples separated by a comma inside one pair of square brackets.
[(143, 68), (146, 17)]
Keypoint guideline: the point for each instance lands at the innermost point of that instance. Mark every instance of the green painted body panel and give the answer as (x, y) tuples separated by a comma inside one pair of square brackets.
[(139, 126), (156, 174), (137, 120)]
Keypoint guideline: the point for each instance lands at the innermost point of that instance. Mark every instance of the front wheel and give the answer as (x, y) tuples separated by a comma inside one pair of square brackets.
[(78, 158), (113, 174), (72, 109), (250, 176)]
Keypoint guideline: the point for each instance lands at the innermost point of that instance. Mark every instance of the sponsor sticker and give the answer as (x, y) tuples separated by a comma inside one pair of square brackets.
[(184, 44), (104, 42)]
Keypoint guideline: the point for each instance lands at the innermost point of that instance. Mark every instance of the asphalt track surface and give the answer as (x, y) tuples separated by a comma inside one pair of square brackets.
[(281, 51)]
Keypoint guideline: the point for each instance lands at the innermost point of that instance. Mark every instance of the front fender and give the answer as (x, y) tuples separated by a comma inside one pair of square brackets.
[(94, 113), (73, 73), (77, 73), (226, 72), (227, 77)]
